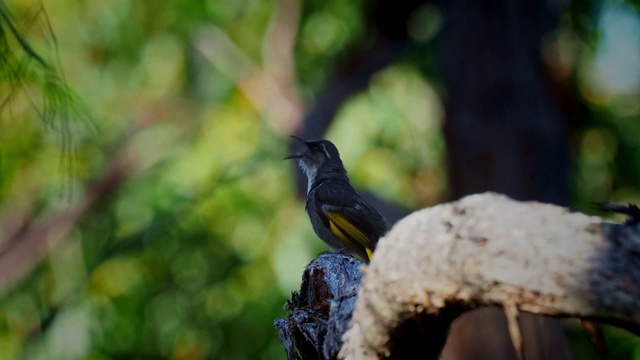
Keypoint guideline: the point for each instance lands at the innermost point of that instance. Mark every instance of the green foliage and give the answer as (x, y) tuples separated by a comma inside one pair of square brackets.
[(326, 29), (196, 251)]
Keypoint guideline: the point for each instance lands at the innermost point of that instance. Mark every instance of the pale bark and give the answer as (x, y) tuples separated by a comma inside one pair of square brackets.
[(489, 250)]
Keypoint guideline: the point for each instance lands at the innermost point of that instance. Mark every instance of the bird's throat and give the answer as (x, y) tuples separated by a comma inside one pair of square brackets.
[(310, 172)]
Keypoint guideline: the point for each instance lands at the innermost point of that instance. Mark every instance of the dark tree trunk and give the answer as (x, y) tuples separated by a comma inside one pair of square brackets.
[(504, 133)]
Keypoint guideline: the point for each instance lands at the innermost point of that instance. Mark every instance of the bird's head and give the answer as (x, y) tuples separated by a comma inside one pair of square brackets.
[(319, 160)]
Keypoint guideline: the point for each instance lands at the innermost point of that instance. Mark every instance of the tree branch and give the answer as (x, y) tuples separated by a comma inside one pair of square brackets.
[(32, 237), (489, 250)]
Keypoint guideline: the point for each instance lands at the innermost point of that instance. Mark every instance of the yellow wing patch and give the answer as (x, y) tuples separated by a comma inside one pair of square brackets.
[(337, 232), (339, 225), (369, 253)]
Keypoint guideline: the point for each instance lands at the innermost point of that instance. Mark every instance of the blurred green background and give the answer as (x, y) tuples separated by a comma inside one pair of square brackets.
[(143, 141)]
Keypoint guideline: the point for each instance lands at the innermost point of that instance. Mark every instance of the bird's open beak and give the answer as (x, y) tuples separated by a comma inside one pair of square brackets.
[(296, 156)]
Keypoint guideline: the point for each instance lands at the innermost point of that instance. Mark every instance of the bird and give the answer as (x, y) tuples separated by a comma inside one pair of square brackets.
[(339, 215)]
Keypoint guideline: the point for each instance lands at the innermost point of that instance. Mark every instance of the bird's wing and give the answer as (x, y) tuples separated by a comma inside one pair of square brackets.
[(349, 218), (343, 228)]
